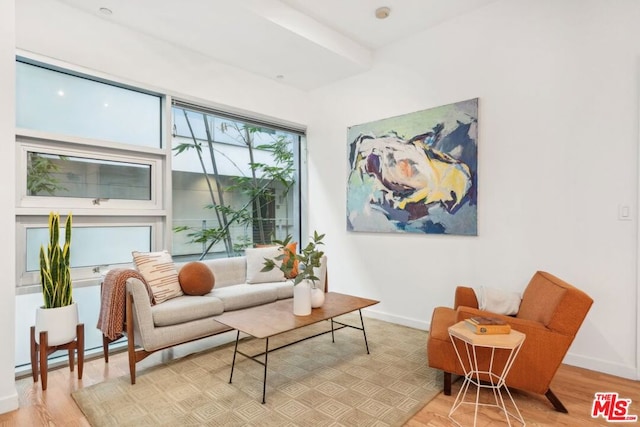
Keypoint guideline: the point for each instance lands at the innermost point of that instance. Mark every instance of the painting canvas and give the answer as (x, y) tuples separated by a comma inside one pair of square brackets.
[(415, 173)]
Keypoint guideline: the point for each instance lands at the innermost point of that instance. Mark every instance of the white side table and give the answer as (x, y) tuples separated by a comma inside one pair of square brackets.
[(488, 371)]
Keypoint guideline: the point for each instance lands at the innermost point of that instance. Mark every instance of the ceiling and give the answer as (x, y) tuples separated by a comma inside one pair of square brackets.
[(302, 43)]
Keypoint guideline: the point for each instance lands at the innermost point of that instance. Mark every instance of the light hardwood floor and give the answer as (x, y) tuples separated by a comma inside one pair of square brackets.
[(574, 386)]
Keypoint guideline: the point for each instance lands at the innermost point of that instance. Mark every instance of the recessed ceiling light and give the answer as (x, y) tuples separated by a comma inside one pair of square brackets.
[(105, 11), (382, 12)]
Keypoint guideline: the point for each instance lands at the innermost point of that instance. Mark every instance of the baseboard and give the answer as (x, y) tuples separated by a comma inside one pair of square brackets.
[(400, 320), (599, 365), (9, 403)]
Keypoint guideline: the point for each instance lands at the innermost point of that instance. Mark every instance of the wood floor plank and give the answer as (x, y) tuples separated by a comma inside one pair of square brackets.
[(574, 386)]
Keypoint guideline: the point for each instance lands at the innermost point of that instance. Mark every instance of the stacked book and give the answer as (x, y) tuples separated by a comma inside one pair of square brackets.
[(487, 325)]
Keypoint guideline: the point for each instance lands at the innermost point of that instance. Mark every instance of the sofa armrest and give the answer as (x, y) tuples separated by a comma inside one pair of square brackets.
[(142, 316), (465, 296)]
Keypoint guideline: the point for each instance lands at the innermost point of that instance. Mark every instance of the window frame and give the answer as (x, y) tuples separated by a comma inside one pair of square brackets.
[(81, 276), (25, 202), (32, 211)]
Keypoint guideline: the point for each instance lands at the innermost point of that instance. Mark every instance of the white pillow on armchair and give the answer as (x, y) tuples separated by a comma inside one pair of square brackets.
[(498, 301)]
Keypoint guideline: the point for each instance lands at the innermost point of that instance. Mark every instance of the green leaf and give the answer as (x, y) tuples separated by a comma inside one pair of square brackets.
[(55, 273)]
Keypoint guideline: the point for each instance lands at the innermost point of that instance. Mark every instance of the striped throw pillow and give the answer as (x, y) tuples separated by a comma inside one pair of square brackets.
[(160, 274)]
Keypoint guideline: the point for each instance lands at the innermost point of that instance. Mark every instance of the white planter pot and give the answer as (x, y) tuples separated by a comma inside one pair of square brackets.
[(317, 297), (302, 298), (60, 324)]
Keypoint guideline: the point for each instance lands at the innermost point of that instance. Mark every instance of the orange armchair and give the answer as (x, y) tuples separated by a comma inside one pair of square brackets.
[(550, 314)]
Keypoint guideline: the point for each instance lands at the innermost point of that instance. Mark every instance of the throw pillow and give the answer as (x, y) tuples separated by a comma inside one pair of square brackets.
[(196, 278), (255, 263), (294, 271), (160, 274), (497, 300)]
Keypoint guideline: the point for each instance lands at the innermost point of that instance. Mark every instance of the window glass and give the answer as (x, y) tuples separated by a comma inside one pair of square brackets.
[(92, 246), (67, 176), (60, 103), (188, 124), (233, 185)]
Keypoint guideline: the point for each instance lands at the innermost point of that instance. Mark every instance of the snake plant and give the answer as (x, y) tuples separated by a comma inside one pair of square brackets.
[(55, 273)]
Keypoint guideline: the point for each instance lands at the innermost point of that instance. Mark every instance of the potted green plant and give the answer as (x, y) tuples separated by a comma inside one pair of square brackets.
[(309, 258), (59, 314)]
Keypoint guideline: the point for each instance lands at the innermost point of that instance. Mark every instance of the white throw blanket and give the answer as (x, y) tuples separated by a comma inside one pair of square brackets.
[(498, 301)]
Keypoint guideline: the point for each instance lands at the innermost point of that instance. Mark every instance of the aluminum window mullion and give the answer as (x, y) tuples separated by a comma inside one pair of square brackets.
[(275, 124)]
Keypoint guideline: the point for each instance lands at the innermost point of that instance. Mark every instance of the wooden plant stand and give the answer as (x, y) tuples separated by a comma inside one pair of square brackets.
[(43, 350)]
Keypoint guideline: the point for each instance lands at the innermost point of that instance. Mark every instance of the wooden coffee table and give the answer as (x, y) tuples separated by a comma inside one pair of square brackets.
[(268, 320)]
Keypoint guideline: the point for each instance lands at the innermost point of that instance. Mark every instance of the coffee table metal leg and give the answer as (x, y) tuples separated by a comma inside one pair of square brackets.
[(264, 381), (333, 339), (235, 351), (255, 357), (364, 332)]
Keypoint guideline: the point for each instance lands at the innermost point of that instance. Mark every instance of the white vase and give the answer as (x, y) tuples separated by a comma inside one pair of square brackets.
[(302, 299), (317, 297), (60, 324)]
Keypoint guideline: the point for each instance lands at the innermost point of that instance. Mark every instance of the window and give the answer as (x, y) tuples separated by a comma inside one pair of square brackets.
[(93, 149), (68, 176), (55, 174), (61, 103), (98, 243), (113, 244), (235, 183)]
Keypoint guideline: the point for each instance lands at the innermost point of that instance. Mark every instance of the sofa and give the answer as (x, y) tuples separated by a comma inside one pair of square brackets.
[(550, 314), (153, 327)]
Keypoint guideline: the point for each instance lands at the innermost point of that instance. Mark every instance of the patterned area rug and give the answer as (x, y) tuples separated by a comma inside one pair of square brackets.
[(312, 383)]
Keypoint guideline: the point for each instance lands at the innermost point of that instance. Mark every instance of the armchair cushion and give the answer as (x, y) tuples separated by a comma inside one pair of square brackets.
[(540, 300)]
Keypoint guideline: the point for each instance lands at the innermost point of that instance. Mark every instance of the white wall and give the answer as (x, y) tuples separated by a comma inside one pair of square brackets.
[(8, 395), (558, 137)]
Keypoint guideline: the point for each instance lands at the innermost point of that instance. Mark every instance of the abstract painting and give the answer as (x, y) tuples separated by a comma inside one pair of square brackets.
[(415, 173)]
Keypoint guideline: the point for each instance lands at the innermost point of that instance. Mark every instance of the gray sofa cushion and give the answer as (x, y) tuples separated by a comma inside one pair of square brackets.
[(255, 263), (228, 271), (243, 296), (185, 309), (283, 289)]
